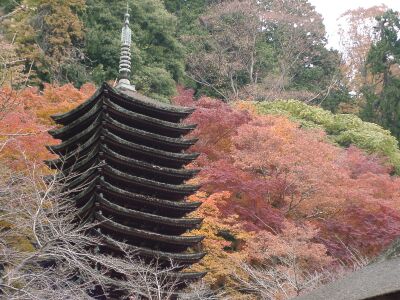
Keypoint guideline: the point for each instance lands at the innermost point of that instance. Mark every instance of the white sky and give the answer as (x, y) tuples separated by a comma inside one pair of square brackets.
[(332, 9)]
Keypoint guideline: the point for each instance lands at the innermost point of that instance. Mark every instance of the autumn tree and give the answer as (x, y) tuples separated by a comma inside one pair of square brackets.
[(51, 34), (25, 120), (357, 34), (263, 50), (342, 129), (11, 65), (232, 54), (287, 264)]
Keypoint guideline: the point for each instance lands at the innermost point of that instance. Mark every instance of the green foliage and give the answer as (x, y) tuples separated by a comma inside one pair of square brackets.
[(156, 82), (343, 129), (8, 5), (383, 96), (188, 13), (384, 107), (79, 41), (335, 98), (386, 51), (157, 56), (221, 46), (322, 76)]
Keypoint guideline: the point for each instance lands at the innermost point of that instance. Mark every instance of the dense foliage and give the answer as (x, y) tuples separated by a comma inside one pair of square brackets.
[(343, 129), (25, 120), (383, 61)]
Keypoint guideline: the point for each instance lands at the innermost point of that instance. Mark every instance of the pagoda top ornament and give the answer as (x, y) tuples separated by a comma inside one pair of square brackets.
[(125, 58)]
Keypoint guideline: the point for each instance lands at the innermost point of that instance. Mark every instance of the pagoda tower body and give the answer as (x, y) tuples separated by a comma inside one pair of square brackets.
[(124, 158)]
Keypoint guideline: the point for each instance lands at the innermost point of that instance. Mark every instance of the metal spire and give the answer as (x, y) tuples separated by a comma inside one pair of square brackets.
[(125, 59)]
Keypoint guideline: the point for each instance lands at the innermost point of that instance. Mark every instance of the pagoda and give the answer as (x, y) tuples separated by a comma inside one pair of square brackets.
[(123, 159)]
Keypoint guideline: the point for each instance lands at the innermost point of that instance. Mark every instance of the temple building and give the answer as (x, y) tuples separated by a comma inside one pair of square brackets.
[(124, 155)]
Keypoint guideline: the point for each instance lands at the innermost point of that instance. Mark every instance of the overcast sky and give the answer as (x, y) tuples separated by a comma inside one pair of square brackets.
[(332, 9)]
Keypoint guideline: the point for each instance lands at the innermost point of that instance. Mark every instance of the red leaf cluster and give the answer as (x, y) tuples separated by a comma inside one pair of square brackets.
[(25, 120)]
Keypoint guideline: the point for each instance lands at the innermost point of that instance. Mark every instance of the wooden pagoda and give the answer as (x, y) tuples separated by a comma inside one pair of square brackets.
[(127, 151)]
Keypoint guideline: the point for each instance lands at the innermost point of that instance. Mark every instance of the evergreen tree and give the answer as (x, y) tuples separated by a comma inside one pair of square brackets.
[(383, 95), (188, 13)]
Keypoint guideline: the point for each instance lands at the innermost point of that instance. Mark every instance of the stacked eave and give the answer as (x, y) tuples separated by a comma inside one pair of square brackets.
[(122, 157)]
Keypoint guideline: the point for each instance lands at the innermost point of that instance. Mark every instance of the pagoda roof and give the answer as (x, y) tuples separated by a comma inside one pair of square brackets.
[(134, 100), (67, 131), (151, 107), (87, 207), (155, 139), (89, 161), (180, 189), (147, 235), (66, 146), (80, 110), (85, 192), (70, 131), (76, 154), (101, 184), (176, 158), (146, 200), (92, 160), (79, 180), (106, 205), (166, 256), (122, 157), (183, 174), (159, 125), (74, 127)]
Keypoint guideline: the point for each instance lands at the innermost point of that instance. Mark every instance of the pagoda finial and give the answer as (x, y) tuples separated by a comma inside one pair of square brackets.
[(125, 59)]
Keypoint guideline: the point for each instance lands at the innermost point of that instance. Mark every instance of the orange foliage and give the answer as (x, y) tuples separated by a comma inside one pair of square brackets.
[(289, 258), (54, 100), (26, 120), (294, 163), (294, 243), (223, 255)]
